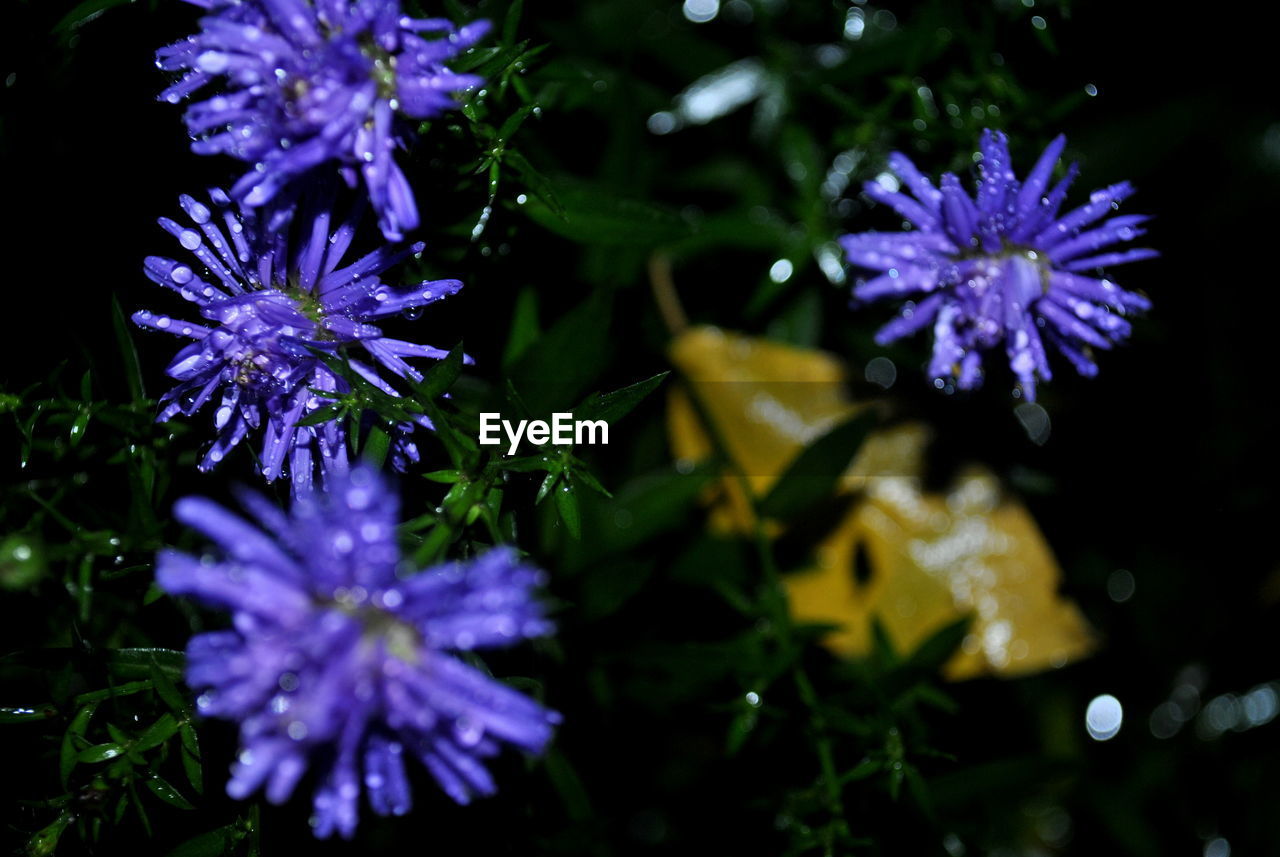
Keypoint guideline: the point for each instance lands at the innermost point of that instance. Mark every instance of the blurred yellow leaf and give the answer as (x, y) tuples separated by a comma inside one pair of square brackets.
[(932, 558), (928, 558)]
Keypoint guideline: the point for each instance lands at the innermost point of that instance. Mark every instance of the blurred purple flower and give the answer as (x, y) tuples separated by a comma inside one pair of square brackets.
[(1000, 268), (267, 303), (312, 83), (338, 661)]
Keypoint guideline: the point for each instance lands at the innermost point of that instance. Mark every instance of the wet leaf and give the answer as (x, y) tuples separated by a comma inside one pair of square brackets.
[(28, 714), (167, 793), (567, 507), (934, 560), (99, 753)]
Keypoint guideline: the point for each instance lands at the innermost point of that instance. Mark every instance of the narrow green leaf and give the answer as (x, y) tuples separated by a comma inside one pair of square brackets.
[(156, 734), (99, 753), (126, 689), (162, 789), (567, 506), (568, 786), (138, 663), (323, 415), (524, 326), (812, 475), (28, 714), (168, 691), (538, 184), (548, 483), (612, 407), (512, 22), (938, 648), (437, 380), (84, 13), (67, 755), (128, 351), (191, 764), (376, 446)]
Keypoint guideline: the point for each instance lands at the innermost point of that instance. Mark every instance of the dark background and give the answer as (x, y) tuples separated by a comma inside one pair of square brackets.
[(1162, 466)]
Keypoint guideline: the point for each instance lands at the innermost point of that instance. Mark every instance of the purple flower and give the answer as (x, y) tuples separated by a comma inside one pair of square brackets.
[(339, 660), (266, 302), (1002, 268), (311, 83)]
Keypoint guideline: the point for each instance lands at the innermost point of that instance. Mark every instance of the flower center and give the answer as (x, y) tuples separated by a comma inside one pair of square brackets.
[(379, 625)]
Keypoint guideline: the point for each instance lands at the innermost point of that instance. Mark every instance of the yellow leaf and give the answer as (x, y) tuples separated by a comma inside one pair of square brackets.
[(931, 558)]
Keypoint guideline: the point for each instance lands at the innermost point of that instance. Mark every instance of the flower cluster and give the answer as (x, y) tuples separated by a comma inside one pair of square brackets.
[(270, 308), (1001, 268), (315, 85), (340, 662)]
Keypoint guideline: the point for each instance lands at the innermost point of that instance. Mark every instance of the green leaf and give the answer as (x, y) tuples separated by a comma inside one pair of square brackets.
[(67, 756), (156, 734), (376, 446), (45, 841), (437, 380), (214, 843), (812, 475), (28, 714), (323, 415), (137, 663), (126, 689), (568, 786), (644, 508), (537, 184), (612, 407), (524, 326), (461, 448), (567, 506), (128, 351), (938, 648), (168, 691), (864, 769), (84, 13), (99, 753), (557, 369), (512, 22), (597, 215), (191, 764), (167, 793)]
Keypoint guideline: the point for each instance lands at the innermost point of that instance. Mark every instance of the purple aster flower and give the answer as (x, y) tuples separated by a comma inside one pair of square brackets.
[(340, 662), (312, 83), (1002, 268), (266, 303)]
